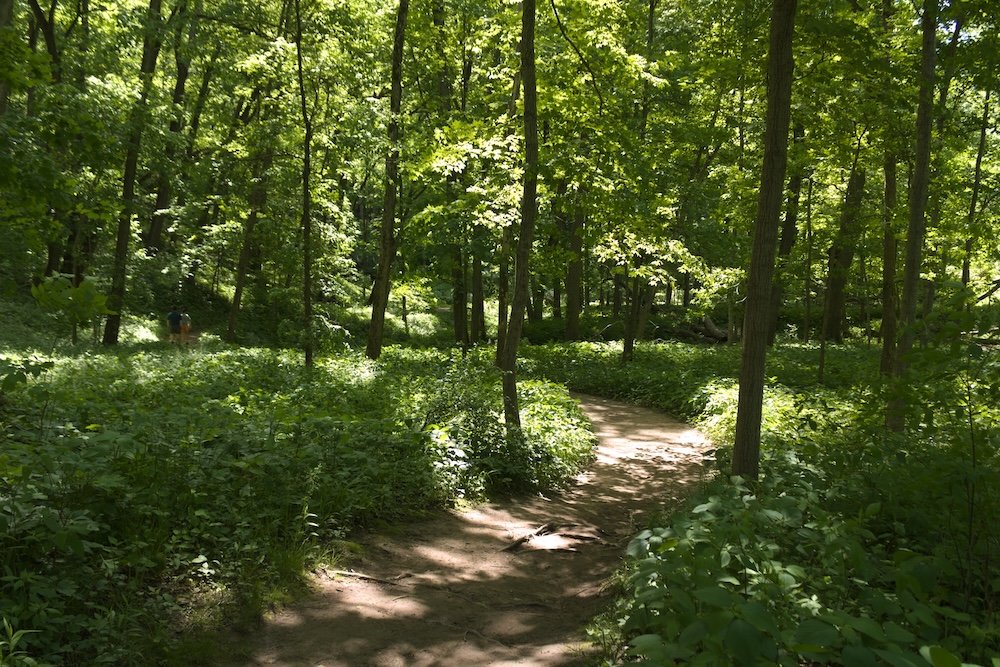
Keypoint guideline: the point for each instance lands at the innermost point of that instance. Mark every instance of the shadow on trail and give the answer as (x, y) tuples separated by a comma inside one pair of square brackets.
[(503, 584)]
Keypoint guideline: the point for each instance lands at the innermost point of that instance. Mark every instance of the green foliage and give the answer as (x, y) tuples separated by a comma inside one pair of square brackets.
[(73, 304), (140, 492), (856, 547)]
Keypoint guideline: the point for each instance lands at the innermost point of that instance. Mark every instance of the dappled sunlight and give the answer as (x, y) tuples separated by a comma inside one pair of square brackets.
[(505, 583)]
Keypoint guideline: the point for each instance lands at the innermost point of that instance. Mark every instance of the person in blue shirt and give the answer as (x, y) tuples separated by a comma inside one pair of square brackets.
[(174, 323)]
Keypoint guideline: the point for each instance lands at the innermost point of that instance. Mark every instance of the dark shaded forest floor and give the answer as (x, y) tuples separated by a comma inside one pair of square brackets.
[(508, 583)]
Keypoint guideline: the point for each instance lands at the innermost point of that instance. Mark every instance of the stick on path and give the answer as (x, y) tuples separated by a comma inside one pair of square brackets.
[(505, 584)]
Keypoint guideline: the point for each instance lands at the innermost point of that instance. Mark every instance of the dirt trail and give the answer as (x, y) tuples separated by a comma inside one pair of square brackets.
[(455, 590)]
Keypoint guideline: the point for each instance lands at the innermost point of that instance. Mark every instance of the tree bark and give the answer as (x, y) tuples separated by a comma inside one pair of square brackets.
[(574, 272), (808, 281), (261, 166), (746, 453), (977, 182), (635, 292), (6, 22), (841, 257), (529, 205), (164, 194), (890, 253), (307, 126), (789, 230), (478, 332), (389, 243), (919, 186), (459, 297), (116, 295)]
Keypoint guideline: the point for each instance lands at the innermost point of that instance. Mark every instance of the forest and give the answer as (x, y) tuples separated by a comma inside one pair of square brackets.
[(404, 232)]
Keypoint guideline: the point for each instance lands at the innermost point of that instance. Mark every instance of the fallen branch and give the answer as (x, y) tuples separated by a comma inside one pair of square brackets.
[(541, 530), (366, 577)]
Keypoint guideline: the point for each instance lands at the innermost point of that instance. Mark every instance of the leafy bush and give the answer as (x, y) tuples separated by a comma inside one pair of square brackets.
[(139, 491), (857, 547)]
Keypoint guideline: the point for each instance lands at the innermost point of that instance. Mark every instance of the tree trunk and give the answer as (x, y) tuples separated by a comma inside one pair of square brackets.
[(389, 243), (632, 318), (556, 298), (647, 307), (459, 309), (919, 186), (116, 295), (536, 306), (977, 182), (841, 257), (307, 126), (617, 294), (890, 252), (164, 192), (574, 272), (529, 211), (478, 332), (746, 453), (257, 201), (808, 281), (503, 292), (6, 22), (788, 232)]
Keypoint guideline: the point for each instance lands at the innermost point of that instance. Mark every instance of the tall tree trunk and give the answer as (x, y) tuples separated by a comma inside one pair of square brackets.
[(258, 201), (119, 273), (647, 307), (503, 292), (6, 23), (389, 243), (556, 298), (635, 293), (919, 186), (307, 125), (536, 304), (478, 332), (977, 182), (529, 206), (841, 257), (617, 294), (890, 253), (746, 453), (574, 271), (459, 298), (164, 193), (789, 229), (808, 281)]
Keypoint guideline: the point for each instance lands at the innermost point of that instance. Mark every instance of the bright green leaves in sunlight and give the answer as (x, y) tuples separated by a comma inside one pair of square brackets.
[(72, 304)]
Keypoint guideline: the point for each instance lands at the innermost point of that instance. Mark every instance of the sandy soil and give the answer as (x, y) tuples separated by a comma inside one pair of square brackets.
[(503, 584)]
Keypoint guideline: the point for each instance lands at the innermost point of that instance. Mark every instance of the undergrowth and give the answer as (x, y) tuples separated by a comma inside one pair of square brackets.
[(149, 496), (857, 547)]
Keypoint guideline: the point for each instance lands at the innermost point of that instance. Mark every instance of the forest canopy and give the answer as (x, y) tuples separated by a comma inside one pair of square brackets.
[(312, 178)]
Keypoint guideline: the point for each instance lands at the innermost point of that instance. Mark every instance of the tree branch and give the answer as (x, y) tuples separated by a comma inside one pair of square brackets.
[(593, 77)]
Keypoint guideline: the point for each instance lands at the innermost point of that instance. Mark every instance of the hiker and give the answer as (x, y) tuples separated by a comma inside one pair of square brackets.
[(185, 327), (174, 323)]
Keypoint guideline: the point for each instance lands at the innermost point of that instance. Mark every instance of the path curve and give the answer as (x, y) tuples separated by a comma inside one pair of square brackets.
[(461, 590)]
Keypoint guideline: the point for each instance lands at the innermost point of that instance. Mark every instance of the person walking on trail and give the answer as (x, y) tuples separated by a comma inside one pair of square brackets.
[(174, 324), (185, 327)]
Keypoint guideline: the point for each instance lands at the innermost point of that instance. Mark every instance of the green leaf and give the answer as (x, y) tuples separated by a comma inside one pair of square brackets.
[(715, 596), (896, 658), (747, 643), (898, 634), (758, 615), (868, 627), (858, 656), (939, 656), (814, 632), (693, 633)]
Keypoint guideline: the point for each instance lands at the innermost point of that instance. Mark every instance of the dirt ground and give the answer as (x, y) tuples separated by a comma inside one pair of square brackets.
[(503, 584)]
